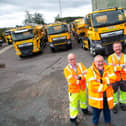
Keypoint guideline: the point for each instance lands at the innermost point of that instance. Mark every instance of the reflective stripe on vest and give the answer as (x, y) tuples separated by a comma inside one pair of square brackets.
[(113, 61), (110, 98), (125, 62), (97, 99), (100, 99), (70, 76), (110, 75), (100, 87), (107, 79)]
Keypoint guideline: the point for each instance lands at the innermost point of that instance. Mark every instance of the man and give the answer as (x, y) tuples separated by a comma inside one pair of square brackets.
[(118, 61), (100, 93), (75, 76)]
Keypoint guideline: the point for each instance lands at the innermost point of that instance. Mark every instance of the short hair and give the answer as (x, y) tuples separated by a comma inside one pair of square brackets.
[(97, 56), (117, 42)]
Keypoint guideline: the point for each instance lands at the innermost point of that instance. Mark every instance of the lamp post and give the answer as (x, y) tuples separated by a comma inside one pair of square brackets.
[(60, 8)]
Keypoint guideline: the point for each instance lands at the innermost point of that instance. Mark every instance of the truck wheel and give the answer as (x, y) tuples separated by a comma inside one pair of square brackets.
[(9, 43), (92, 51), (52, 50), (85, 48), (69, 46), (21, 56), (81, 44), (41, 47)]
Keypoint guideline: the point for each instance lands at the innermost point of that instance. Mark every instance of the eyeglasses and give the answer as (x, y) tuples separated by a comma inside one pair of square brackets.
[(71, 59)]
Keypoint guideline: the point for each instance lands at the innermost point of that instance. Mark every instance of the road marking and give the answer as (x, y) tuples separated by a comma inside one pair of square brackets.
[(5, 49)]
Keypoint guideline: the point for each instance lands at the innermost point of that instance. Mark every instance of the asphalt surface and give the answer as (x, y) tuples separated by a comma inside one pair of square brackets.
[(33, 90)]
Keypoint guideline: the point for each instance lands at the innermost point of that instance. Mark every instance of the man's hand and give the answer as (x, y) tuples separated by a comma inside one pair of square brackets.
[(77, 77)]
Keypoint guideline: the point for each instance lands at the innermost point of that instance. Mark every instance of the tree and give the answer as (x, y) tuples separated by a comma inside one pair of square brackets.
[(28, 18), (66, 19), (36, 18)]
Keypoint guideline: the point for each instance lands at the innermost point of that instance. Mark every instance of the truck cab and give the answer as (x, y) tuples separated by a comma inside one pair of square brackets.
[(103, 28), (79, 29), (28, 40), (59, 36), (8, 37)]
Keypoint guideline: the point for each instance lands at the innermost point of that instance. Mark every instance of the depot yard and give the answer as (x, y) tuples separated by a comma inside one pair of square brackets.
[(33, 90)]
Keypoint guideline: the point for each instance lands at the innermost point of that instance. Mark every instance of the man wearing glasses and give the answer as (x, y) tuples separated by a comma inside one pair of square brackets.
[(75, 76)]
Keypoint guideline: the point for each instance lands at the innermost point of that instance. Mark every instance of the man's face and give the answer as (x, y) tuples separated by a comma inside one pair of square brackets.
[(99, 63), (72, 60), (117, 47)]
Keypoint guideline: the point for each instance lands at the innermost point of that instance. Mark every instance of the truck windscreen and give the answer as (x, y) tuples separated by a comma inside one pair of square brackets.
[(57, 29), (108, 18), (19, 36)]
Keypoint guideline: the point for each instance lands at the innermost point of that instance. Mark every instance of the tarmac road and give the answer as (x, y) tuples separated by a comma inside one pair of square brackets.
[(33, 90)]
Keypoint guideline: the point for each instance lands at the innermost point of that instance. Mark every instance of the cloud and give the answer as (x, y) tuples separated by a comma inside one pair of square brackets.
[(14, 10)]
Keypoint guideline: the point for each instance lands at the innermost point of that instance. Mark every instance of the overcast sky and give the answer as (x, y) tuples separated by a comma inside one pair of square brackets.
[(12, 12)]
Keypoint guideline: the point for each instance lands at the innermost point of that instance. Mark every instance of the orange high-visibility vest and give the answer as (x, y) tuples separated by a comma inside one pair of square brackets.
[(74, 85), (96, 88), (118, 65)]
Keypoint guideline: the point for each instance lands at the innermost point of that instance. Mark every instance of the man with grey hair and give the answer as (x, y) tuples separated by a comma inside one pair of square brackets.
[(100, 93), (75, 75)]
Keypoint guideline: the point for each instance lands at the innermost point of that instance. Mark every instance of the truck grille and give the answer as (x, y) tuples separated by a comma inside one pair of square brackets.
[(112, 36), (112, 39), (60, 40), (26, 50)]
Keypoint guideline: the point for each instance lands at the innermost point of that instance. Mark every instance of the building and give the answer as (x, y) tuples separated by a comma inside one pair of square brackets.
[(102, 4)]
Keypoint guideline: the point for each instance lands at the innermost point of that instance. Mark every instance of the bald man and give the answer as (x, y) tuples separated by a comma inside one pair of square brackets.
[(75, 76), (100, 93)]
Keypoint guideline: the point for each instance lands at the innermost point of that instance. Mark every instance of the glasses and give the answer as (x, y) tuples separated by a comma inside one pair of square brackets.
[(71, 59)]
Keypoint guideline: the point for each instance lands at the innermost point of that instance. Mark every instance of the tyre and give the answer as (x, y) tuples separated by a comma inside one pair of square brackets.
[(92, 50), (69, 46), (9, 43), (41, 47), (21, 56), (52, 50), (81, 44)]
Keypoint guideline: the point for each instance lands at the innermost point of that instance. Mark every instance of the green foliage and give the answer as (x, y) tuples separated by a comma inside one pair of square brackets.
[(35, 18), (66, 19)]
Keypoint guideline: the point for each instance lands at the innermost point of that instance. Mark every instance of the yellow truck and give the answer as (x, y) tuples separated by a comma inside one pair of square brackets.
[(78, 27), (59, 36), (29, 40), (8, 37), (1, 42), (103, 28)]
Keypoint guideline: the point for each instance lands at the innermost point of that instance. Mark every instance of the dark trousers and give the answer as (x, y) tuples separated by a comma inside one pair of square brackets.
[(119, 84), (96, 115)]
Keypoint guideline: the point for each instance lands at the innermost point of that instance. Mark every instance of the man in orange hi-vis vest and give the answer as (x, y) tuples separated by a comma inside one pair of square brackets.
[(75, 76), (100, 93), (118, 61)]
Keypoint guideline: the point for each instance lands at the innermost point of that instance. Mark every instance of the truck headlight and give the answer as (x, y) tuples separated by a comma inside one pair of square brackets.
[(99, 46), (51, 45), (69, 42), (125, 41)]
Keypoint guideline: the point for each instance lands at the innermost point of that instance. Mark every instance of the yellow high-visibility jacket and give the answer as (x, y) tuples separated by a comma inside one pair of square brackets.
[(74, 85), (96, 88), (118, 65)]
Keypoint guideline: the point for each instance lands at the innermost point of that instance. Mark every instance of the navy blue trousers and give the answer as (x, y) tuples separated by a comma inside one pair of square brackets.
[(96, 115)]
